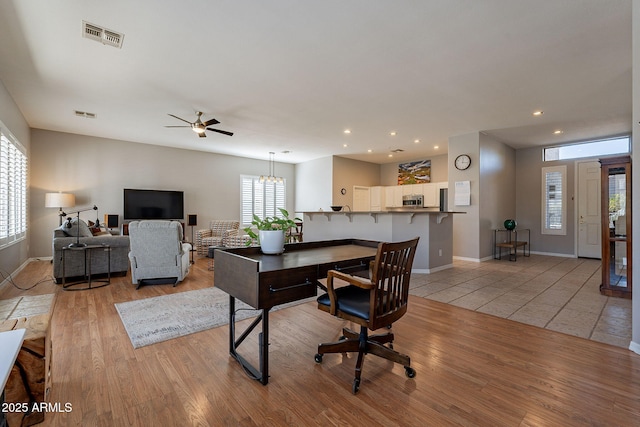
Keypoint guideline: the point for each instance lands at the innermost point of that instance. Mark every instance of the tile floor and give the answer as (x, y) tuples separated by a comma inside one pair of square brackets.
[(560, 294)]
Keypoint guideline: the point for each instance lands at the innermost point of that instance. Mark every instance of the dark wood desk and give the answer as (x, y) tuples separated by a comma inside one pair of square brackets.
[(264, 281)]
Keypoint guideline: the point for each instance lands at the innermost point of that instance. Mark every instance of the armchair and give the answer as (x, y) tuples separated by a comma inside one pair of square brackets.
[(373, 304), (212, 236), (157, 253)]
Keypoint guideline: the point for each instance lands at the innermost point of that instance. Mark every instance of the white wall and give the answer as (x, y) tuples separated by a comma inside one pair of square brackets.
[(313, 185), (13, 256), (97, 170)]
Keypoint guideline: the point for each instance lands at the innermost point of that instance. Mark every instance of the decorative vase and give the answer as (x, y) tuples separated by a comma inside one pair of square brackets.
[(272, 241), (510, 224)]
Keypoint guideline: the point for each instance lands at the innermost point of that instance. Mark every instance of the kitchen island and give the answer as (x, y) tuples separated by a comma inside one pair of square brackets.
[(434, 227)]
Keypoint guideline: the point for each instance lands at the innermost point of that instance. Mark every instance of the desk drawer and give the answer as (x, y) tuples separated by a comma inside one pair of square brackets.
[(279, 287)]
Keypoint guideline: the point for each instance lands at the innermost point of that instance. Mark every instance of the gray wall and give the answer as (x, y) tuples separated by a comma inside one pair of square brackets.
[(349, 172), (529, 202), (439, 170), (97, 170), (466, 230), (635, 339), (497, 190), (15, 255)]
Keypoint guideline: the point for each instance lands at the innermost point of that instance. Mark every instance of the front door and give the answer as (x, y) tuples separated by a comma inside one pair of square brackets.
[(589, 225)]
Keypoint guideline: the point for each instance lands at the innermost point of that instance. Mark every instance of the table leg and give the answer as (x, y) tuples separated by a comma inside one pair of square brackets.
[(261, 374)]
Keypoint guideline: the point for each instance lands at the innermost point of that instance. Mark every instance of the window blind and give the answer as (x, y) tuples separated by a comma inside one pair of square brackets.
[(260, 198), (13, 189), (553, 200)]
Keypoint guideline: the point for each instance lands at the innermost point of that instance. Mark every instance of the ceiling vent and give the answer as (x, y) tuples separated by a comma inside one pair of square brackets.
[(85, 114), (102, 35)]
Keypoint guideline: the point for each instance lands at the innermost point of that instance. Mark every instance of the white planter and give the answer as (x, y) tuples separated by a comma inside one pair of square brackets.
[(272, 241)]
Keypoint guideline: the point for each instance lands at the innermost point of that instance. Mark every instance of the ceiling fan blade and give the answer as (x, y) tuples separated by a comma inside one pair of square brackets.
[(186, 121), (211, 122), (202, 135), (177, 126), (221, 131)]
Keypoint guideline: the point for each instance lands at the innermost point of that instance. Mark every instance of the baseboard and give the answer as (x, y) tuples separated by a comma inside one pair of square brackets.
[(554, 254), (635, 347), (17, 270), (462, 258)]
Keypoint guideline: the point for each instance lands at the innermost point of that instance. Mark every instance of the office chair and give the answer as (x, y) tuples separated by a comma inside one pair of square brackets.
[(373, 304)]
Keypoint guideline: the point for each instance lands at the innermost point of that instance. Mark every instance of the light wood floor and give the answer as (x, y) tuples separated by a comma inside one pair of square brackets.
[(472, 369)]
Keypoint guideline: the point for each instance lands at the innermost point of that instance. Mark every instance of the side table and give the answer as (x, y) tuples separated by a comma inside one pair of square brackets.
[(87, 253), (510, 241)]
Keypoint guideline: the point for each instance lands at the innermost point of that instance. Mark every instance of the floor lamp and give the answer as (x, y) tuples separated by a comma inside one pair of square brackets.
[(59, 200)]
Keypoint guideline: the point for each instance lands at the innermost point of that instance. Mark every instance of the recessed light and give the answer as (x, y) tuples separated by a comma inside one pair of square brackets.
[(538, 113), (369, 150), (417, 141), (345, 145), (435, 147), (347, 131), (390, 155), (393, 133), (557, 132)]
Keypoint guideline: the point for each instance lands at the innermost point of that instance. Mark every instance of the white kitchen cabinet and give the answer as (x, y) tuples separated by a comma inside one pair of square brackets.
[(361, 198), (430, 193), (377, 196), (393, 196)]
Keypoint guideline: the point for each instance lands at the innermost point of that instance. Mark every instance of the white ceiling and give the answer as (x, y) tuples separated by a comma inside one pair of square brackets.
[(291, 75)]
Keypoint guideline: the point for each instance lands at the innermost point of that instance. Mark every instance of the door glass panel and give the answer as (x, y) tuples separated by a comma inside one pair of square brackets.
[(618, 266)]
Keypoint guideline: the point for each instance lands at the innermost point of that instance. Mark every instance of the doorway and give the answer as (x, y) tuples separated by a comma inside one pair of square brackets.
[(589, 211)]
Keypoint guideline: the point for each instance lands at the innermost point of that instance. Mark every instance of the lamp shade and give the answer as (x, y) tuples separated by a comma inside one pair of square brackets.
[(59, 200)]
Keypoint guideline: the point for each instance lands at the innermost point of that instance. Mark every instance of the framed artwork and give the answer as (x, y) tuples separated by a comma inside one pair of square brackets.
[(418, 172)]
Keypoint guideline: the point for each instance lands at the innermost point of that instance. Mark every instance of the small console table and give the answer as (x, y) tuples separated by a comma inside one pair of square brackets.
[(508, 239), (87, 252)]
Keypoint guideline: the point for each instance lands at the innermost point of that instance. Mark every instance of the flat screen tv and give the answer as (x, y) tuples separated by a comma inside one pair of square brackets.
[(153, 204)]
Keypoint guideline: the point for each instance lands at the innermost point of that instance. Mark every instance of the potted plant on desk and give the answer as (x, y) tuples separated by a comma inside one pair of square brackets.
[(271, 231)]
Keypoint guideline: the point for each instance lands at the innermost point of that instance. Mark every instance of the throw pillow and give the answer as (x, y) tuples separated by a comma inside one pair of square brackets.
[(70, 228)]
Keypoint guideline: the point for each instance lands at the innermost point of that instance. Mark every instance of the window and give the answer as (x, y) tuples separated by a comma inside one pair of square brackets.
[(587, 149), (13, 189), (554, 207), (262, 199)]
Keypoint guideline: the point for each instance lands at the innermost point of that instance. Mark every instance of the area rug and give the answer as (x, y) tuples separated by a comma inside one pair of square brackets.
[(153, 320)]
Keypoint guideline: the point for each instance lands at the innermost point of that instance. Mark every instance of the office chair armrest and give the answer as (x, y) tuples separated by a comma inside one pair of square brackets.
[(360, 282)]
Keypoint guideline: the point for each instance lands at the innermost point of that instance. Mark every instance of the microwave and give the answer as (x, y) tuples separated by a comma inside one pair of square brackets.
[(413, 200)]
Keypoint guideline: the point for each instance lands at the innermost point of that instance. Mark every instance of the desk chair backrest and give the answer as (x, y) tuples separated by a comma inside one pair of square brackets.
[(390, 275)]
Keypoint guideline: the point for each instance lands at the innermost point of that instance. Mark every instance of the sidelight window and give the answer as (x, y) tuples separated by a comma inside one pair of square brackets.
[(554, 206)]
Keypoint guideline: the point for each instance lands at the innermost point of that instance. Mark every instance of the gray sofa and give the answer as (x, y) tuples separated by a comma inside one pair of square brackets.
[(74, 260)]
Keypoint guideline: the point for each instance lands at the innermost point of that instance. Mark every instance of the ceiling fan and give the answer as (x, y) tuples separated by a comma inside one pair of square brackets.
[(199, 126)]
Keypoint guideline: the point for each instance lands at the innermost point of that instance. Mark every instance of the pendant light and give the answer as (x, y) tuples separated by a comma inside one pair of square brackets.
[(271, 178)]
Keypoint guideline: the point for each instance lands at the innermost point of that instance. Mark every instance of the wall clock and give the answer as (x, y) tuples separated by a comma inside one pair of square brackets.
[(462, 162)]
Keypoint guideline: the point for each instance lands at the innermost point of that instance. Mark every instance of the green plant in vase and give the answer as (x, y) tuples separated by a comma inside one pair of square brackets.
[(271, 231)]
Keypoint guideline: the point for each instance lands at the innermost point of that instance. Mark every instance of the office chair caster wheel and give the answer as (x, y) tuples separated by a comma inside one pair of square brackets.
[(411, 373), (318, 358), (356, 385)]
